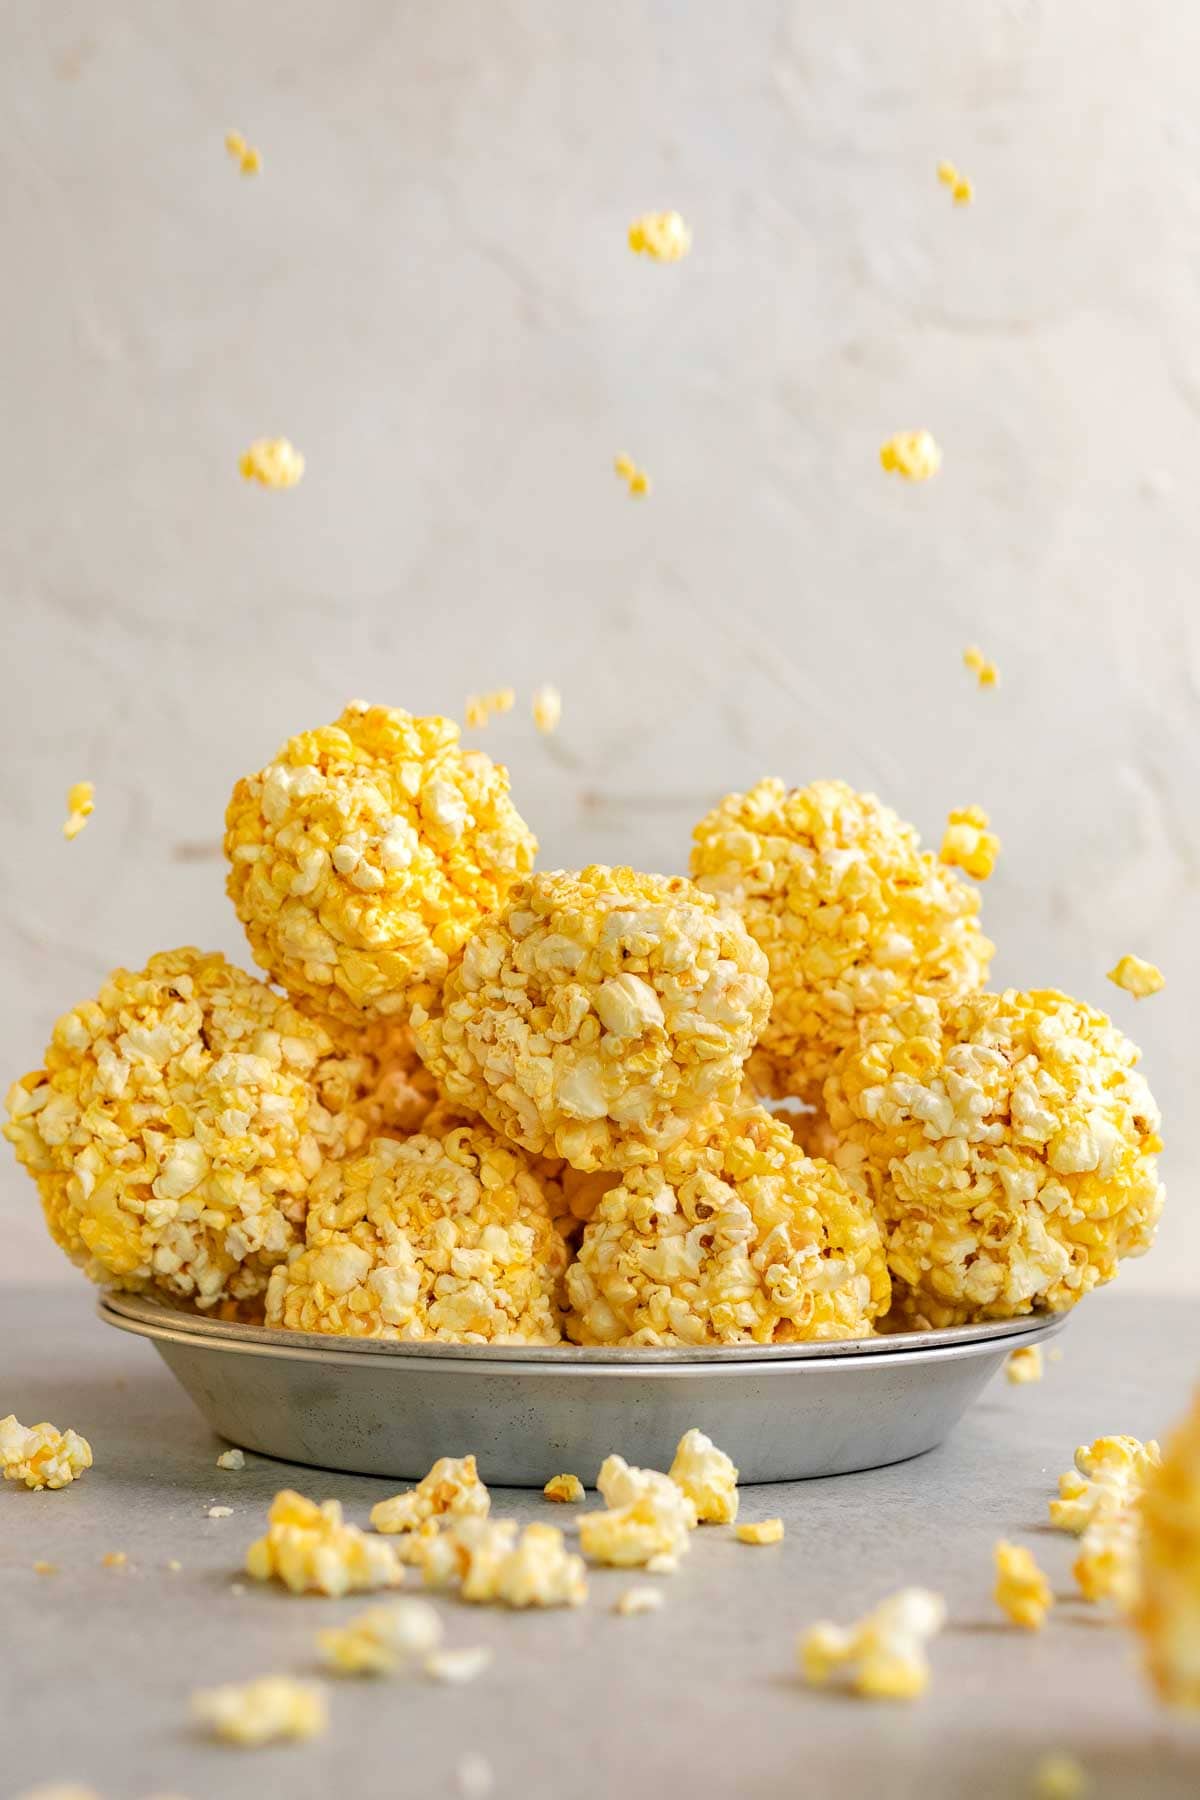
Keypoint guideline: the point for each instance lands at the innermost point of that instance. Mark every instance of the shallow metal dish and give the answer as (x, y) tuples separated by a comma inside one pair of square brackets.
[(783, 1412)]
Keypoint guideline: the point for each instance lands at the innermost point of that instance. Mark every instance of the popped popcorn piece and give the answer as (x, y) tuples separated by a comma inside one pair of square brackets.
[(882, 1657), (708, 1477), (962, 190), (231, 1459), (1008, 1145), (597, 1014), (1138, 978), (968, 844), (620, 1484), (480, 707), (272, 462), (984, 671), (1060, 1777), (449, 1234), (637, 480), (365, 856), (661, 236), (761, 1531), (637, 1600), (647, 1521), (373, 1084), (1107, 1565), (489, 1564), (1024, 1365), (40, 1455), (114, 1559), (913, 454), (854, 917), (382, 1639), (1022, 1590), (568, 1490), (310, 1549), (253, 1713), (1109, 1475), (474, 1776), (173, 1567), (46, 1568), (247, 158), (732, 1237), (1168, 1615), (547, 708), (220, 1512), (452, 1489), (458, 1666), (81, 805)]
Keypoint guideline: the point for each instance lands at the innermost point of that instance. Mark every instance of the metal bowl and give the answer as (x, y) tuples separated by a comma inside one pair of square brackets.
[(783, 1412)]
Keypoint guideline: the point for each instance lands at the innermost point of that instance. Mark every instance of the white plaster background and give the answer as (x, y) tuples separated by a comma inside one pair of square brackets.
[(428, 291)]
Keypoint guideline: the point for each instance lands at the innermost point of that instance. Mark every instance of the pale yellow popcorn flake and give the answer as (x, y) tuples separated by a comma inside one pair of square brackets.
[(452, 1489), (760, 1531), (637, 1600), (1022, 1590), (479, 708), (568, 1490), (383, 1639), (1101, 1500), (266, 1711), (81, 805), (967, 843), (272, 462), (1024, 1365), (458, 1666), (962, 189), (231, 1459), (636, 480), (41, 1456), (882, 1657), (984, 671), (1141, 979), (1060, 1777), (661, 236), (114, 1559), (912, 454), (647, 1522), (708, 1477), (1168, 1614), (547, 709), (246, 156), (46, 1568), (489, 1563), (310, 1549)]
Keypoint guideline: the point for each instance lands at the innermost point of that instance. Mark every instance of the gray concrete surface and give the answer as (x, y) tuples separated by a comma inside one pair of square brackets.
[(701, 1699)]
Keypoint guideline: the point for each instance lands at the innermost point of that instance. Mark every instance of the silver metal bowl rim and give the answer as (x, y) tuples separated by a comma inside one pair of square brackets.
[(153, 1319)]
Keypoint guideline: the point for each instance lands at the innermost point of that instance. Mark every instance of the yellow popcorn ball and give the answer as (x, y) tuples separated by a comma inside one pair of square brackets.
[(968, 844), (310, 1549), (1024, 1365), (382, 1639), (272, 462), (761, 1531), (567, 1490), (1168, 1614), (547, 709), (597, 1014), (1137, 977), (984, 671), (40, 1455), (661, 236), (1008, 1145), (854, 917), (913, 454), (172, 1132), (365, 856), (1059, 1777), (247, 158), (733, 1237), (81, 804), (266, 1711), (1022, 1590), (452, 1489), (707, 1476), (883, 1656), (637, 480)]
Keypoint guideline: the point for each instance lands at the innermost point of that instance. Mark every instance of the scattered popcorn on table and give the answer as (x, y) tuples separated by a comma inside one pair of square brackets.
[(220, 1512), (1168, 1615), (636, 1600), (451, 1489), (40, 1455), (488, 1563), (114, 1559), (761, 1531), (1022, 1590), (1025, 1365), (253, 1713), (247, 158), (474, 1776), (985, 672), (480, 707), (383, 1639), (547, 709), (45, 1568), (661, 236), (883, 1656), (568, 1490), (967, 843), (597, 1014), (913, 454), (458, 1666), (272, 462), (231, 1459), (1141, 979), (637, 480), (962, 190), (311, 1550), (708, 1477), (80, 807), (854, 917), (1059, 1777)]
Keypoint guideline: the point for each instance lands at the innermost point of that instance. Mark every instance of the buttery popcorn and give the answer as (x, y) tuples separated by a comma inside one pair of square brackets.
[(547, 709), (382, 1639), (480, 707), (647, 1521), (913, 454), (247, 158), (1100, 1500), (365, 856), (883, 1656), (597, 1014), (1025, 1365), (761, 1531), (854, 917), (310, 1549), (637, 480), (488, 1563), (708, 1477), (254, 1713), (637, 1600), (458, 1666), (449, 1234), (984, 670), (1059, 1777), (661, 236), (733, 1237), (452, 1489), (568, 1490), (967, 843), (1008, 1145), (40, 1455), (81, 804), (962, 190), (1168, 1615), (1022, 1590), (272, 462), (231, 1459), (1137, 977)]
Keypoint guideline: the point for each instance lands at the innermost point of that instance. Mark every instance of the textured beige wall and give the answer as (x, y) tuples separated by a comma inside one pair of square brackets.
[(427, 290)]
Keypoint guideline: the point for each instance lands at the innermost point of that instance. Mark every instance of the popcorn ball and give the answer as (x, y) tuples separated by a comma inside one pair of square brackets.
[(448, 1234), (365, 856), (1168, 1616), (1008, 1144), (310, 1549), (882, 1657), (733, 1237), (598, 1014), (40, 1455), (855, 918)]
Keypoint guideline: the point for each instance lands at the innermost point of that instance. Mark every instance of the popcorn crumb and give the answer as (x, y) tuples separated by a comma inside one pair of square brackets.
[(1060, 1777), (480, 707), (220, 1512), (474, 1776), (708, 1477), (80, 807), (311, 1550), (636, 479), (639, 1600), (962, 190), (547, 709), (40, 1455), (567, 1489), (253, 1713), (913, 454), (115, 1559), (985, 672), (661, 236), (45, 1568), (1024, 1365), (272, 462), (968, 844), (173, 1567), (882, 1657), (1022, 1590), (451, 1489), (248, 159), (1141, 979), (231, 1459), (760, 1531), (458, 1666), (383, 1639)]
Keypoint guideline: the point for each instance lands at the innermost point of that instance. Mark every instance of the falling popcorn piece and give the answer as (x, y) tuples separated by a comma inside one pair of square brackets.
[(248, 159), (458, 1666), (566, 1489), (272, 462), (231, 1459), (547, 709), (968, 844), (637, 1600), (1021, 1590), (480, 707), (962, 190), (661, 236), (40, 1455), (985, 672), (636, 479), (1138, 978), (80, 807), (882, 1657), (1060, 1777), (1024, 1365), (913, 454), (761, 1531), (253, 1713)]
